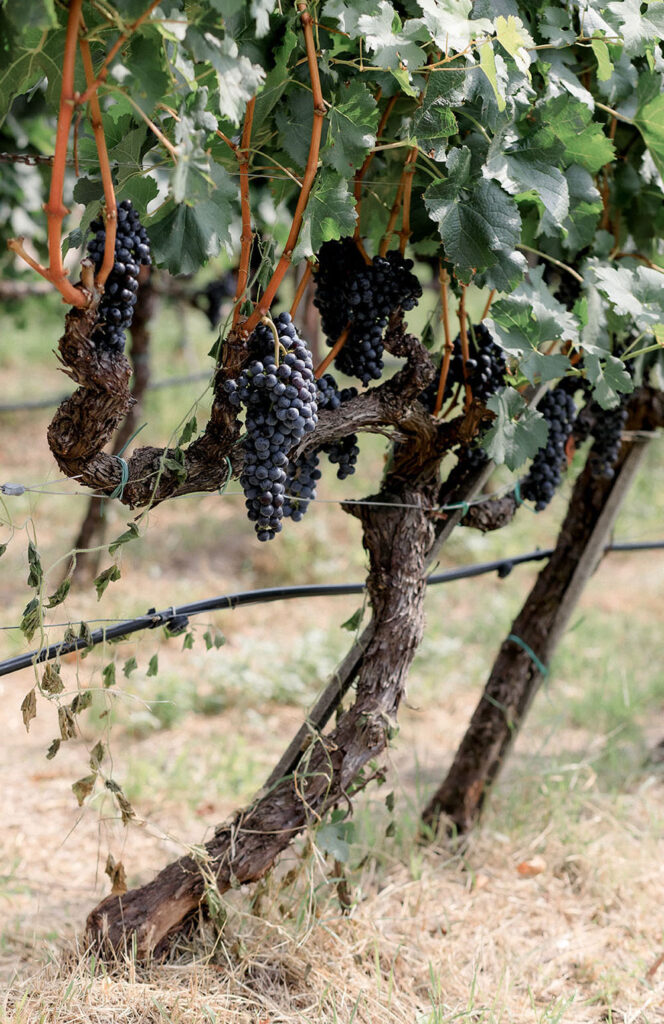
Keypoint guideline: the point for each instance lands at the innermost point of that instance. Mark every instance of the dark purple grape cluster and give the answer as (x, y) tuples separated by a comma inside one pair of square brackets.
[(362, 297), (558, 408), (607, 428), (303, 473), (343, 453), (132, 249), (485, 368), (280, 398)]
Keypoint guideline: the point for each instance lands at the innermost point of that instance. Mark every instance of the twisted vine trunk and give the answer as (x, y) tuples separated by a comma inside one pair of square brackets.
[(86, 563), (398, 541), (516, 676)]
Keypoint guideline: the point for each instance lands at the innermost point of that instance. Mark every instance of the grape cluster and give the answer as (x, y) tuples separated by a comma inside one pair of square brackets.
[(362, 297), (607, 430), (132, 248), (558, 408), (485, 369), (280, 399), (303, 473)]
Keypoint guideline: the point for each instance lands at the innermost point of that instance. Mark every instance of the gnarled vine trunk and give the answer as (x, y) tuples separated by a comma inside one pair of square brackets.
[(516, 675)]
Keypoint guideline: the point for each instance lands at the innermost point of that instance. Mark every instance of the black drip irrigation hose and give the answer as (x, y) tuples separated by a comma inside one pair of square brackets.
[(176, 618)]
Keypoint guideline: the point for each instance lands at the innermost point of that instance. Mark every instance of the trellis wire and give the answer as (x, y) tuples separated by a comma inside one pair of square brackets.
[(178, 616)]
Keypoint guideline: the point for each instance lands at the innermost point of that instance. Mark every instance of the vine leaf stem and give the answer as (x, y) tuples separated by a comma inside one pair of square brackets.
[(309, 173), (111, 218), (492, 295)]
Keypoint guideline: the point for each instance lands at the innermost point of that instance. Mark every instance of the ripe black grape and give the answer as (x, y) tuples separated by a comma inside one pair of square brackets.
[(350, 293), (559, 411), (132, 249), (485, 368), (607, 428), (280, 399)]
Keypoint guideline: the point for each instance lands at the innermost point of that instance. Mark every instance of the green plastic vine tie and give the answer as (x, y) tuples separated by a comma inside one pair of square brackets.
[(119, 490), (228, 475), (539, 665)]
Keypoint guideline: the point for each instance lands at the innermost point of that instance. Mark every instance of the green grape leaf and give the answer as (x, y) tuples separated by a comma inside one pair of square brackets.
[(603, 58), (129, 666), (432, 126), (609, 377), (148, 81), (335, 838), (518, 432), (276, 82), (330, 214), (488, 66), (568, 121), (108, 675), (237, 78), (185, 237), (351, 129), (449, 24), (514, 37), (35, 573), (637, 29), (585, 209), (59, 595), (348, 14), (649, 119), (394, 46), (110, 575), (480, 228), (130, 534), (527, 171)]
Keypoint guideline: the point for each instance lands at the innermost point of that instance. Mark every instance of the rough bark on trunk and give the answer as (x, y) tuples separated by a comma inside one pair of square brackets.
[(515, 676), (398, 541), (93, 525)]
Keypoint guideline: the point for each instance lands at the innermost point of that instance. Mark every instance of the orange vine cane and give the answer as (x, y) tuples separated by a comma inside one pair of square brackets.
[(465, 354), (311, 168), (246, 237), (406, 177), (443, 278), (111, 218), (333, 353), (492, 295), (55, 208), (301, 288)]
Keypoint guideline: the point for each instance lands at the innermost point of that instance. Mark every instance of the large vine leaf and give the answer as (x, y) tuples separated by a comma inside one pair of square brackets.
[(185, 236), (449, 23), (528, 171), (480, 229), (518, 432), (638, 30), (351, 129), (649, 119), (393, 45), (330, 214), (569, 122)]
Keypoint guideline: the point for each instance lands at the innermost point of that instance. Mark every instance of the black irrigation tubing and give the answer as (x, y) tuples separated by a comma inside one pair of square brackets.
[(53, 400), (177, 617)]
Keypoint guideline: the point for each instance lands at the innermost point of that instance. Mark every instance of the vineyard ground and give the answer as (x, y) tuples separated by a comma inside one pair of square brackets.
[(434, 935)]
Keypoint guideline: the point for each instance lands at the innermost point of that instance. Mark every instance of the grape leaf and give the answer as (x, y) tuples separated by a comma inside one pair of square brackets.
[(432, 126), (515, 38), (649, 119), (569, 122), (351, 129), (185, 237), (637, 29), (83, 787), (480, 228), (609, 377), (348, 14), (518, 432), (237, 78), (528, 171), (330, 213), (449, 23), (393, 45)]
